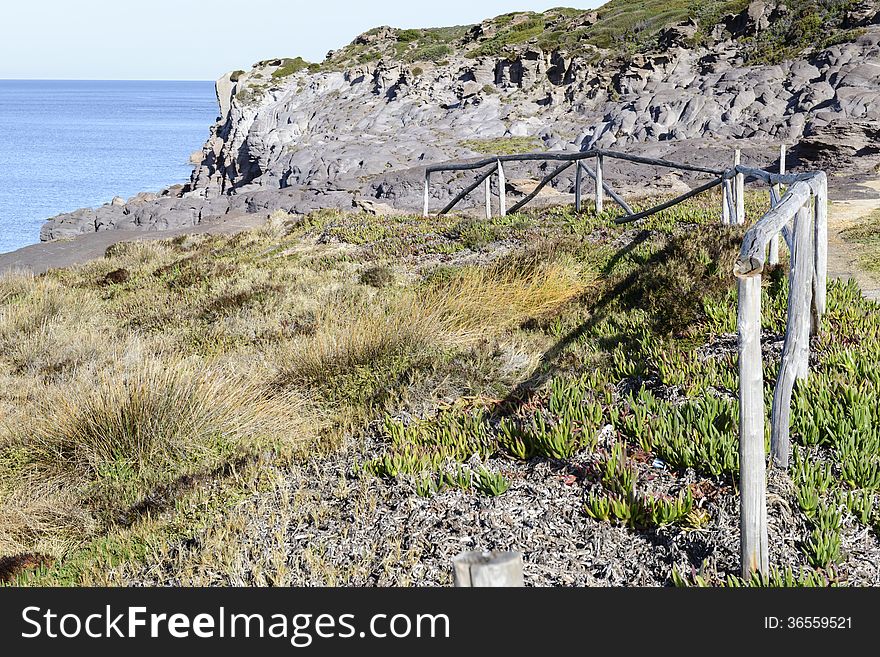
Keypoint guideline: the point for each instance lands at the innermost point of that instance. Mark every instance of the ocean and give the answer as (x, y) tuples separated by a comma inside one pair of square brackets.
[(73, 144)]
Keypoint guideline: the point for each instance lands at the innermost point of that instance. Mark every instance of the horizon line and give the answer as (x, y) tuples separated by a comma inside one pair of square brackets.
[(39, 79)]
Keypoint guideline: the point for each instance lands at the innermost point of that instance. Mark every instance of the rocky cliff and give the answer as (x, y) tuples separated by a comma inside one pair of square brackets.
[(631, 76)]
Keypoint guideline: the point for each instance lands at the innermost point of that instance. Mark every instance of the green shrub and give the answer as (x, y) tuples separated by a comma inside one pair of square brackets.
[(406, 36), (377, 276), (289, 67), (431, 53)]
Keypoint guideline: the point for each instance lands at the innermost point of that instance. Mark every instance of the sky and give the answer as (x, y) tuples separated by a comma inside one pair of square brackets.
[(201, 40)]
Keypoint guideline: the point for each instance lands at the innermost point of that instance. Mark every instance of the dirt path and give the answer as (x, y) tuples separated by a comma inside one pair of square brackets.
[(843, 256), (37, 258)]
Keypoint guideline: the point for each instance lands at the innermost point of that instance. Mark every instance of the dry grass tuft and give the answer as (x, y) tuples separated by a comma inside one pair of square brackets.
[(454, 311), (154, 424), (41, 515), (477, 302), (41, 326)]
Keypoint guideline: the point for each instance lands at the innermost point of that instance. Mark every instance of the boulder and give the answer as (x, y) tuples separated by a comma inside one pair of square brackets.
[(828, 143)]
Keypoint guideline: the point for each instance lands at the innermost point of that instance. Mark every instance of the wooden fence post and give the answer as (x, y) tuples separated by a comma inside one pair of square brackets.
[(752, 465), (600, 190), (480, 569), (740, 190), (729, 210), (725, 215), (577, 187), (821, 240), (795, 351), (773, 255), (488, 188), (427, 185), (502, 191)]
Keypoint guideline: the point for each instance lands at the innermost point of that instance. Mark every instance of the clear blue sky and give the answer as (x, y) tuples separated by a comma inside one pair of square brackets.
[(201, 40)]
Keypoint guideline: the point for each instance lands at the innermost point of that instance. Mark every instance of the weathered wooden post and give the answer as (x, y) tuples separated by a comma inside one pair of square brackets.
[(577, 187), (795, 351), (740, 190), (821, 246), (502, 191), (484, 569), (488, 189), (752, 466), (427, 186), (773, 255), (600, 190), (725, 208)]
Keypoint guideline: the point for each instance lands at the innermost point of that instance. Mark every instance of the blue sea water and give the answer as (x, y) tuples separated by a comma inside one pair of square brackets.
[(72, 144)]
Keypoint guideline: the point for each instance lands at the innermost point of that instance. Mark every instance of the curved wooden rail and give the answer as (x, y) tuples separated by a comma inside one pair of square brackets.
[(754, 247), (580, 155), (806, 205)]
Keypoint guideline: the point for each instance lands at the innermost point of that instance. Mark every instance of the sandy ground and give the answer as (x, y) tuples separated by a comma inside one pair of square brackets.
[(843, 256)]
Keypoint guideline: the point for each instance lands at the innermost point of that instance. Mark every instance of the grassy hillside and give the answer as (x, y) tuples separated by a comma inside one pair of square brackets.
[(171, 413)]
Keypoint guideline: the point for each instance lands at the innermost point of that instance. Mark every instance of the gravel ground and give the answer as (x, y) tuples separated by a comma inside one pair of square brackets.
[(341, 528), (384, 534), (541, 515)]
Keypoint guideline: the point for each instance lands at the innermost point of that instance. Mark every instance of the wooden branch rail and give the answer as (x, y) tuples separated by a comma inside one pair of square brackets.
[(799, 213), (467, 190), (614, 195), (668, 204), (550, 176), (795, 351), (597, 175), (753, 252), (581, 155)]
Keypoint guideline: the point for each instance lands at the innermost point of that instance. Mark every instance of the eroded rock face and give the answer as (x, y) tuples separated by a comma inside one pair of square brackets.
[(326, 139), (335, 126)]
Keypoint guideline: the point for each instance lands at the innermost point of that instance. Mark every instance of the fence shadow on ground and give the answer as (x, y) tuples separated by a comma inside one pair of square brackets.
[(548, 365)]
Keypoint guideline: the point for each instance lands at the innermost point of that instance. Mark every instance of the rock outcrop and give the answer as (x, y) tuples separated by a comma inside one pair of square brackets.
[(299, 138)]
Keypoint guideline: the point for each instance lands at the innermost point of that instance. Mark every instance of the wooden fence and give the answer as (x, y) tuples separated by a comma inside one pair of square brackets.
[(799, 216), (495, 165)]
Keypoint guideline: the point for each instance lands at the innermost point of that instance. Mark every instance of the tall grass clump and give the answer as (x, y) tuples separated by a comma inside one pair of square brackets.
[(453, 310), (135, 430)]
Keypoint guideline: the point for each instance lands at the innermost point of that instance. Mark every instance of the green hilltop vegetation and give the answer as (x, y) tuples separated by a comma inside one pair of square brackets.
[(618, 28), (156, 401)]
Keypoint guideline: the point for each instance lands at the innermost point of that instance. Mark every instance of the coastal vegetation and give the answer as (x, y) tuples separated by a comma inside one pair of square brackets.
[(866, 234), (173, 410)]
